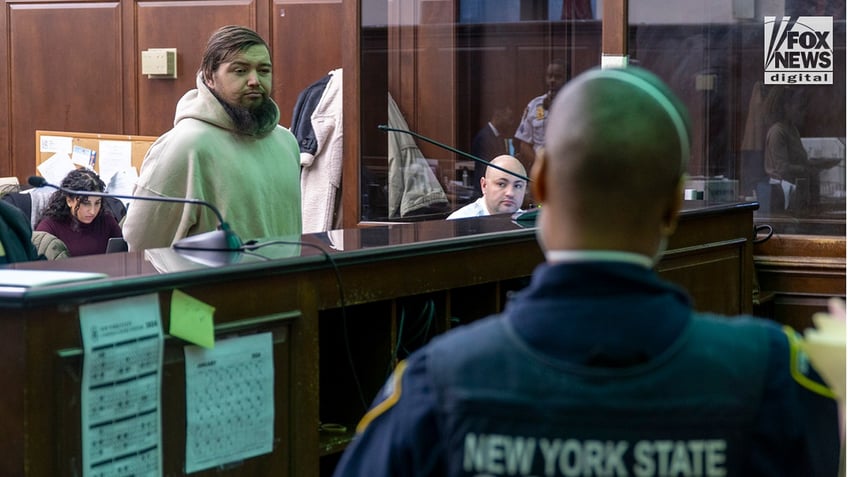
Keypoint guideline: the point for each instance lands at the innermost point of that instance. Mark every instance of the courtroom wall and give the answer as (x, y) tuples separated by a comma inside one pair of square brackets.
[(77, 66)]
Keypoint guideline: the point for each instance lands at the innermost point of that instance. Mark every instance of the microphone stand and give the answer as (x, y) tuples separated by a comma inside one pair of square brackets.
[(526, 217), (383, 127), (221, 240)]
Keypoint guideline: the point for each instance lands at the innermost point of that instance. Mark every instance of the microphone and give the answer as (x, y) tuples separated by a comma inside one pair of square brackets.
[(222, 239), (524, 217), (383, 127)]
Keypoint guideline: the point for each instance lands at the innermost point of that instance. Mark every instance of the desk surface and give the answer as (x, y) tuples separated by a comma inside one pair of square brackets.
[(166, 268)]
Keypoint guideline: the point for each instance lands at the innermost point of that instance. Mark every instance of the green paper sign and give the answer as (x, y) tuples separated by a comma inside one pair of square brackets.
[(192, 320)]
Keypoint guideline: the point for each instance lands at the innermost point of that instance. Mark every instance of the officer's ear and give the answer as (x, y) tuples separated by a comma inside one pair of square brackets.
[(672, 211)]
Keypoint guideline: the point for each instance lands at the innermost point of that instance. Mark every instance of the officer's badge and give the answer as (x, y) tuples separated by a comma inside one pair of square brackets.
[(540, 112)]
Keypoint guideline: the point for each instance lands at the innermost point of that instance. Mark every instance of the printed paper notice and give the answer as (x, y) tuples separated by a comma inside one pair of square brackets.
[(229, 401), (58, 144), (122, 377), (115, 156), (56, 167)]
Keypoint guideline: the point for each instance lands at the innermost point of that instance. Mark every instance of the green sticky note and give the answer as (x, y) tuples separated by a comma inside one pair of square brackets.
[(191, 320)]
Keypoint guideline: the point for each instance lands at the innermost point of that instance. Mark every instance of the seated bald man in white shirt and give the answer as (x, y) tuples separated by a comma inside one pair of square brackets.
[(503, 193)]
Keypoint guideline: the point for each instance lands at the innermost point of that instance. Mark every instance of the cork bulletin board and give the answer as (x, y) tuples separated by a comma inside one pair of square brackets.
[(100, 152)]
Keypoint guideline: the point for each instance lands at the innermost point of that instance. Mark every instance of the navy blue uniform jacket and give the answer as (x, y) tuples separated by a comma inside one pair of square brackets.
[(601, 369)]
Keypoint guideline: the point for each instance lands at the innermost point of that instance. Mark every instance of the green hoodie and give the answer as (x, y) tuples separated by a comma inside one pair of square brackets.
[(253, 180)]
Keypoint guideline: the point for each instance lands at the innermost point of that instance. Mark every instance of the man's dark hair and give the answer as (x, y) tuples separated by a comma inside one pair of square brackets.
[(226, 43), (566, 66)]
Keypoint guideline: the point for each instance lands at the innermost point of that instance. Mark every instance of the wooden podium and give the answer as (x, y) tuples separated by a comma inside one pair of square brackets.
[(342, 307)]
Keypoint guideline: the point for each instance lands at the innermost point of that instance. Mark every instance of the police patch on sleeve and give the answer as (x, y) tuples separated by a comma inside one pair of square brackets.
[(389, 395), (801, 368)]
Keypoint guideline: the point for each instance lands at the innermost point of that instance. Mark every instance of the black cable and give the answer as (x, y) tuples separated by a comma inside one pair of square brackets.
[(393, 359), (250, 252), (763, 227), (249, 247), (428, 315)]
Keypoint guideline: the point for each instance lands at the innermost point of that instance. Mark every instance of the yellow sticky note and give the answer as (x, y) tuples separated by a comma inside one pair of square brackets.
[(191, 320)]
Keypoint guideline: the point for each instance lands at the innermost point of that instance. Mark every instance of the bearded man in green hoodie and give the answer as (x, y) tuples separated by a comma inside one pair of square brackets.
[(226, 148)]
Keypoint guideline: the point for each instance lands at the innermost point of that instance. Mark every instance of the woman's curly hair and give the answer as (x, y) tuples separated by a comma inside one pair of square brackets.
[(79, 179)]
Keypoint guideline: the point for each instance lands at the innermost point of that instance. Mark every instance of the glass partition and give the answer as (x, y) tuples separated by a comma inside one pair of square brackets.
[(768, 110), (448, 70), (435, 74)]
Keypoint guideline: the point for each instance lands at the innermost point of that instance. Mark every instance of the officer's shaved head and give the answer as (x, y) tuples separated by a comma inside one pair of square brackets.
[(616, 148)]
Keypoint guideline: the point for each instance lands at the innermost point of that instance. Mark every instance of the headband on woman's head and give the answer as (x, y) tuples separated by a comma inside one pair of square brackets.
[(658, 95)]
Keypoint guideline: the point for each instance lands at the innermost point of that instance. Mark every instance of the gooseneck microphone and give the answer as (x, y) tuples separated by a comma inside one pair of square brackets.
[(383, 127), (220, 240)]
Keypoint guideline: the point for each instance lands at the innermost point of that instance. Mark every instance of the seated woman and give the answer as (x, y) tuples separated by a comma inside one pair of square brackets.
[(78, 220)]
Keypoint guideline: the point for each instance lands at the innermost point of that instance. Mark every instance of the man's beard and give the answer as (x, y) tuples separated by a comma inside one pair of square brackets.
[(250, 121)]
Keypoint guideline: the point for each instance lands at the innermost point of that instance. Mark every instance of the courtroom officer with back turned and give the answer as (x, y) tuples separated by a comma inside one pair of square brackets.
[(599, 367)]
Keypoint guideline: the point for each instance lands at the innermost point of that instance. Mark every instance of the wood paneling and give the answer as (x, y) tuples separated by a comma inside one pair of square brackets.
[(797, 274), (436, 73), (615, 28), (306, 45), (164, 25), (421, 69), (65, 70), (721, 278), (13, 437), (6, 156), (76, 66), (351, 36), (506, 63)]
